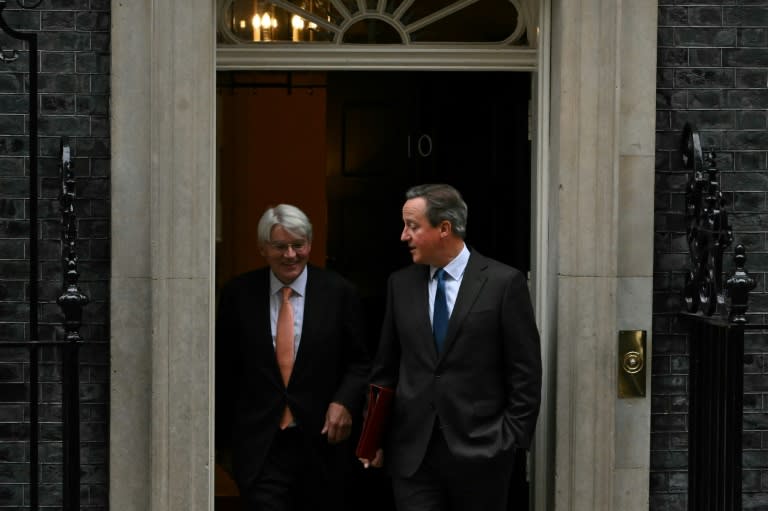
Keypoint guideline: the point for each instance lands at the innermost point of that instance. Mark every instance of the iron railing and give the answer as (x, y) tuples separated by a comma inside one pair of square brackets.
[(71, 300), (715, 312)]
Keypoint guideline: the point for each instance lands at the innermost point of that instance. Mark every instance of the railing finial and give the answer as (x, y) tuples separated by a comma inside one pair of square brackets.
[(738, 287), (73, 300)]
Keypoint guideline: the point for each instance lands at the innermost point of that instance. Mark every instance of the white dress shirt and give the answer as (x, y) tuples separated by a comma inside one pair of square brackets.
[(454, 273)]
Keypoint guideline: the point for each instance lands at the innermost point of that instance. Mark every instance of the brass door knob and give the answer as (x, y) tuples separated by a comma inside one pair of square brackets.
[(633, 362)]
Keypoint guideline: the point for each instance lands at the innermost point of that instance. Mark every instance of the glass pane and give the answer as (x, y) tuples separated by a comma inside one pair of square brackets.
[(351, 5), (484, 21), (372, 32), (261, 21), (392, 6), (422, 8), (322, 8), (333, 15)]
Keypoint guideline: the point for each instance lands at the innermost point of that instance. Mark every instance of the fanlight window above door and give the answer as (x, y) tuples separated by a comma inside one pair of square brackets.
[(406, 22)]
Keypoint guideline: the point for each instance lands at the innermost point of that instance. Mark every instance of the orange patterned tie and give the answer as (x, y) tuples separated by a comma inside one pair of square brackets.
[(284, 347)]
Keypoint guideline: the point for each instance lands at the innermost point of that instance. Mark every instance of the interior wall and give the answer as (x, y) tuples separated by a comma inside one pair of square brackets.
[(272, 150)]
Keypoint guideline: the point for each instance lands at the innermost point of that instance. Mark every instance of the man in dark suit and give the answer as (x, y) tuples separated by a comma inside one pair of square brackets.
[(291, 370), (460, 345)]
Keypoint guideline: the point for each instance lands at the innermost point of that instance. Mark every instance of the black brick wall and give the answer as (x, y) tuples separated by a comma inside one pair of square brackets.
[(74, 62), (712, 72)]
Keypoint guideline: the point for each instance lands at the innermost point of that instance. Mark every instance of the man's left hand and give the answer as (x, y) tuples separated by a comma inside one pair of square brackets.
[(338, 423)]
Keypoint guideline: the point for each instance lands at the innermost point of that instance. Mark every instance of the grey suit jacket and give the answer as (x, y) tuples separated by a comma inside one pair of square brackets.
[(483, 389)]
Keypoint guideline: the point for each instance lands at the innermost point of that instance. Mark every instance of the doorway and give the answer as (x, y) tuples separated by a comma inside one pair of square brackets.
[(344, 146)]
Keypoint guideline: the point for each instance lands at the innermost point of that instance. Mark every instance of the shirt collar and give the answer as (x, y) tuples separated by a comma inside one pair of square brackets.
[(299, 285), (455, 269)]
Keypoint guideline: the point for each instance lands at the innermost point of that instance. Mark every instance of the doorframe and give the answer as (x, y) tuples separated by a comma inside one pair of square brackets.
[(321, 57), (284, 57)]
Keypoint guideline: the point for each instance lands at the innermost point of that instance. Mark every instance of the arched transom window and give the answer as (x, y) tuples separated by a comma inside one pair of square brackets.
[(403, 22)]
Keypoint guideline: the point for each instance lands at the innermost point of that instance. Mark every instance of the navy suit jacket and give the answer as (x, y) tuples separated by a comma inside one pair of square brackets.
[(483, 389), (332, 364)]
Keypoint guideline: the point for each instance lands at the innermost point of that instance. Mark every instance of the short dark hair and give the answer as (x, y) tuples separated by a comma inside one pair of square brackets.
[(444, 202)]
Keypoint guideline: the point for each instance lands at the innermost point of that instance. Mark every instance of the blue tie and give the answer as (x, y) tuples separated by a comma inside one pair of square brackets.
[(440, 314)]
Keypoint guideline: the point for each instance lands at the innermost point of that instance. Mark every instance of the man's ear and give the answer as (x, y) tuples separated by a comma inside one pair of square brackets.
[(445, 229)]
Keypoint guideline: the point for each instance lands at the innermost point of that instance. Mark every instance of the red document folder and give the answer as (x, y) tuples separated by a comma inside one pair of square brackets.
[(379, 409)]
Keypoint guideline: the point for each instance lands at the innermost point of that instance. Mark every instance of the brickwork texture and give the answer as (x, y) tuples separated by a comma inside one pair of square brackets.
[(712, 72), (73, 101)]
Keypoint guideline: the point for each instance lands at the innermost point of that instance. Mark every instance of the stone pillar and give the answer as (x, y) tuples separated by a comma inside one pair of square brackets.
[(603, 70), (163, 148), (637, 160), (131, 281)]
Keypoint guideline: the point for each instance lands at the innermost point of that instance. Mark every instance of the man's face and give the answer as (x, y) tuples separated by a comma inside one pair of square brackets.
[(422, 238), (286, 254)]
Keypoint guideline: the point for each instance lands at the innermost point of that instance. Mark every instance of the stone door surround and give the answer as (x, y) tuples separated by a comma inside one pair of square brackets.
[(594, 251)]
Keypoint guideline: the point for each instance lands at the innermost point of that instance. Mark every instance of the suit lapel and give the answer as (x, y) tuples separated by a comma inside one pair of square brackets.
[(471, 284), (259, 301), (262, 331)]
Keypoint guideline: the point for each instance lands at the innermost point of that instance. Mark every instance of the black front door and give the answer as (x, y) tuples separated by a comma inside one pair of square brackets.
[(388, 131)]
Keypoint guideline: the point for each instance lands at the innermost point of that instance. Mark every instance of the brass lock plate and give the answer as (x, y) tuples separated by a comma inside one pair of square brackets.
[(632, 366)]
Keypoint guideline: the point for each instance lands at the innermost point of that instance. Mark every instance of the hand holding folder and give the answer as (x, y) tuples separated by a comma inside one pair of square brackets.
[(377, 416)]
